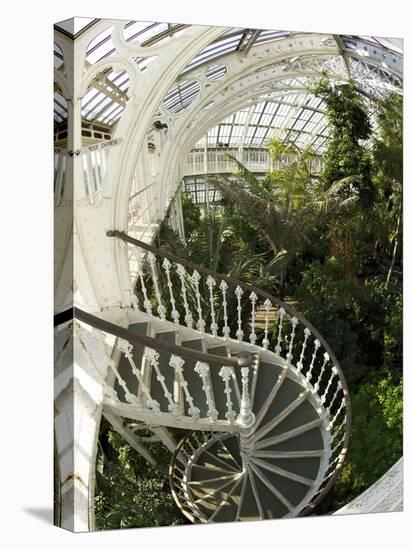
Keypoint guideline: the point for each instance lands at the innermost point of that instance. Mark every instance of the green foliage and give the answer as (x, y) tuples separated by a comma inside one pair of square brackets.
[(388, 144), (283, 210), (376, 441), (349, 126), (191, 213), (383, 318), (328, 299), (360, 318), (333, 246), (388, 162), (129, 491)]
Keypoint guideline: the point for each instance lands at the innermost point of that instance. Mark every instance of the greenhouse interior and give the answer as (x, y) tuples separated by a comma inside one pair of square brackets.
[(228, 274)]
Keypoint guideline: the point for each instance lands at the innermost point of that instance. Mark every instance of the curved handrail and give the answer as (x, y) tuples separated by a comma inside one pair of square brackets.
[(246, 286), (244, 359), (171, 476), (252, 288)]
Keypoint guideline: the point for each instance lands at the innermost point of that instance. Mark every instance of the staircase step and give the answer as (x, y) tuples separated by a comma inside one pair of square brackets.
[(302, 442), (227, 509), (293, 491), (271, 506), (304, 413), (223, 456), (232, 445), (209, 459), (124, 367), (307, 467), (222, 452), (211, 495), (288, 392), (208, 473), (248, 510), (267, 377), (167, 371), (194, 380)]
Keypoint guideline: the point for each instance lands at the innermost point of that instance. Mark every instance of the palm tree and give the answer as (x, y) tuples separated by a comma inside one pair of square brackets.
[(283, 207)]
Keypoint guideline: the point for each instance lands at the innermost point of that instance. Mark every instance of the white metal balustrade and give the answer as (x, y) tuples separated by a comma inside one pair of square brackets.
[(257, 161), (205, 393)]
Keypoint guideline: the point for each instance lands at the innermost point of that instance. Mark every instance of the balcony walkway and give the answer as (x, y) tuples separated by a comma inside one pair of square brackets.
[(385, 495)]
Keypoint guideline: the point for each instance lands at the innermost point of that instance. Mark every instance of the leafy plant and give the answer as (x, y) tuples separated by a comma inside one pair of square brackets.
[(350, 126), (129, 491), (283, 216), (376, 442)]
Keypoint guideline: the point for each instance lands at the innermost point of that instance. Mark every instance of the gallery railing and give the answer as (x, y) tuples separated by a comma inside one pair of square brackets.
[(128, 342)]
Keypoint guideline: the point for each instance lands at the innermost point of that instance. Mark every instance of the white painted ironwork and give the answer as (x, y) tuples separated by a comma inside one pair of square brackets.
[(210, 282), (177, 363), (331, 404), (182, 275), (240, 333), (128, 395), (307, 333), (281, 315), (224, 287), (152, 262), (253, 298), (320, 376), (330, 381), (341, 407), (227, 374), (126, 348), (146, 302), (166, 264), (153, 357), (294, 323), (309, 373), (200, 324), (267, 307), (246, 417), (203, 370)]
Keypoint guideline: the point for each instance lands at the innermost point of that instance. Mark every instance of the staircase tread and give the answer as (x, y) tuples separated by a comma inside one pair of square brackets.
[(222, 456), (206, 459), (267, 372), (249, 510), (232, 445), (308, 440), (307, 467), (292, 490), (271, 506), (208, 473), (287, 393), (303, 414), (228, 510), (211, 496)]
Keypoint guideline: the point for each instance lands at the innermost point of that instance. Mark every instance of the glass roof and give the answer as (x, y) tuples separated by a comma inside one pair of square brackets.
[(392, 44), (296, 115)]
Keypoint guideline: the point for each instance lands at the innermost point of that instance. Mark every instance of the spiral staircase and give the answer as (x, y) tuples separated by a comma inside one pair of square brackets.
[(260, 394)]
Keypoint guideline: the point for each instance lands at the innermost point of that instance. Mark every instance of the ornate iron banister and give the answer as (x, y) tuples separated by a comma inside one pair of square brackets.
[(321, 368), (246, 286), (243, 359)]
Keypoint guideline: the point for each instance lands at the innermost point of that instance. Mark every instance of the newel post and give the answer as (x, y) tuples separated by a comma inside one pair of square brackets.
[(246, 417)]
